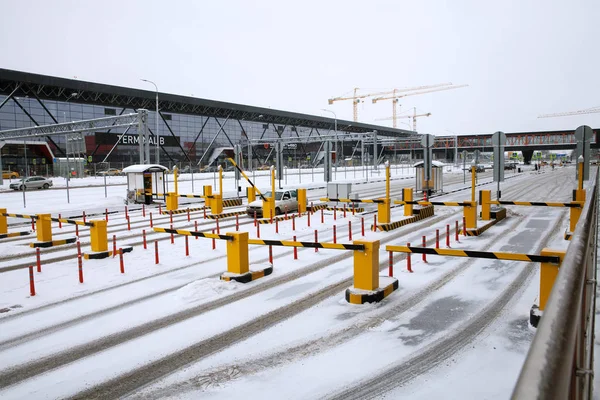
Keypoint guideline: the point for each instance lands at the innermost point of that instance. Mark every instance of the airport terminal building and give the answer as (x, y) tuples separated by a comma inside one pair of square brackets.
[(190, 130)]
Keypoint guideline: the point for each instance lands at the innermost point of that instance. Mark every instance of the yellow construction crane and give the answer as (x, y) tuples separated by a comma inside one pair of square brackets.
[(395, 97), (414, 118), (356, 99), (569, 113)]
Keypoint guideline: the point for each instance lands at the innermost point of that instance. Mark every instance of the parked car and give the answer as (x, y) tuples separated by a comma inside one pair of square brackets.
[(264, 167), (210, 168), (33, 182), (10, 174), (110, 172), (284, 200)]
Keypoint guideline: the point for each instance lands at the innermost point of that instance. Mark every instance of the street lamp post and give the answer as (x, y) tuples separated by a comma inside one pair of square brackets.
[(156, 131), (336, 139)]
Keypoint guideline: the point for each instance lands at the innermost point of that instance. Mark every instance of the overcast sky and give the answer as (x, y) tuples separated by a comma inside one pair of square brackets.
[(519, 58)]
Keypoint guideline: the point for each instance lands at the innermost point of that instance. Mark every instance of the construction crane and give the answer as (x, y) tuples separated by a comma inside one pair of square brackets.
[(414, 118), (356, 99), (569, 113), (434, 88)]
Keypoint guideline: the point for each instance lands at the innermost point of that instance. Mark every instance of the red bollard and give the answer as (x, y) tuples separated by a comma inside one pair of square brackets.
[(237, 223), (286, 217), (204, 209), (144, 210), (424, 245), (334, 213), (218, 229), (350, 230), (375, 223), (214, 242), (114, 246), (308, 215), (156, 252), (408, 260), (271, 220), (295, 250), (196, 228), (437, 238), (170, 216), (38, 260), (391, 264), (80, 265), (344, 211), (258, 231), (464, 226), (126, 214), (159, 209), (128, 224), (76, 230), (322, 217), (188, 214), (121, 263), (353, 210), (106, 214), (362, 225), (271, 254), (187, 249), (31, 282), (448, 235), (255, 223), (59, 221), (33, 224), (456, 231), (294, 222), (151, 225), (172, 235), (78, 248), (334, 234), (276, 225), (316, 240), (144, 237), (83, 214)]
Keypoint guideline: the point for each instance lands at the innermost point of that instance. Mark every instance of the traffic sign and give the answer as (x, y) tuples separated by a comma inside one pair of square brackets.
[(499, 141)]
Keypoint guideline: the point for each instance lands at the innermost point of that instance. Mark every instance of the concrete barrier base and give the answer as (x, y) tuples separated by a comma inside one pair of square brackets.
[(248, 276), (359, 296), (53, 243), (97, 255), (418, 215), (498, 214)]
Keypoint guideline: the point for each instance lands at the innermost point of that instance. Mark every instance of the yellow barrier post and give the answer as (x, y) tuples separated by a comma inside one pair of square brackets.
[(473, 174), (484, 199), (470, 214), (3, 223), (301, 200), (269, 203), (221, 181), (216, 206), (407, 195), (43, 227), (548, 274), (206, 192), (366, 265), (383, 209), (251, 193), (175, 173), (172, 201), (99, 235), (579, 196), (237, 253)]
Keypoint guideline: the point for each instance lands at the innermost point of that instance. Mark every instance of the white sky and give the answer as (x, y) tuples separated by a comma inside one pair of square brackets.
[(520, 58)]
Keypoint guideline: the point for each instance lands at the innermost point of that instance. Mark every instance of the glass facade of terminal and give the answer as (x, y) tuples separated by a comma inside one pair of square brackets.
[(185, 139)]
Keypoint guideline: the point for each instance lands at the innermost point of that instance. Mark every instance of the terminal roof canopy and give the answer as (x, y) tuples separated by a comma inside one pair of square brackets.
[(60, 89)]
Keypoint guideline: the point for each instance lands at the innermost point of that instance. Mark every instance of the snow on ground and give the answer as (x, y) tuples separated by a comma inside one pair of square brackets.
[(328, 340)]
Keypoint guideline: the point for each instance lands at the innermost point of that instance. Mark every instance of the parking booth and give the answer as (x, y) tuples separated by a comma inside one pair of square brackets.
[(145, 183), (436, 181)]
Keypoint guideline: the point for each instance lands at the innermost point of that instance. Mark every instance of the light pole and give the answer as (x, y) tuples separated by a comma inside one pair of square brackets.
[(156, 131), (335, 142)]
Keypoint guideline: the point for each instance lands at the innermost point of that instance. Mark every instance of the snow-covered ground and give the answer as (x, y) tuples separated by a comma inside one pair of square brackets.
[(290, 334)]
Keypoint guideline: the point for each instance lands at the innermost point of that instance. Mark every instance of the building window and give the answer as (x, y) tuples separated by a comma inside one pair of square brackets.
[(110, 111), (167, 117)]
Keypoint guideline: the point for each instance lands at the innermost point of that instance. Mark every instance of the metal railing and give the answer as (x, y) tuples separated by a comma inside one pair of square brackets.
[(559, 364)]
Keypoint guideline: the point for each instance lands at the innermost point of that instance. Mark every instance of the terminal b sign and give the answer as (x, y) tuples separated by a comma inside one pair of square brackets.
[(133, 139)]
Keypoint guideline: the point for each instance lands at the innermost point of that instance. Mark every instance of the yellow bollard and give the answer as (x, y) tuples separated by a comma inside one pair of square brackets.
[(216, 206), (301, 200), (43, 227), (548, 273), (175, 173), (366, 265), (251, 193), (98, 235), (575, 212), (237, 253), (3, 223), (484, 199), (407, 195), (473, 175), (269, 204), (470, 214), (172, 201), (206, 192)]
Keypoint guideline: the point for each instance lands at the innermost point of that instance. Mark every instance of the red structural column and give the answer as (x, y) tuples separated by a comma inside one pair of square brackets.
[(31, 282), (295, 249)]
